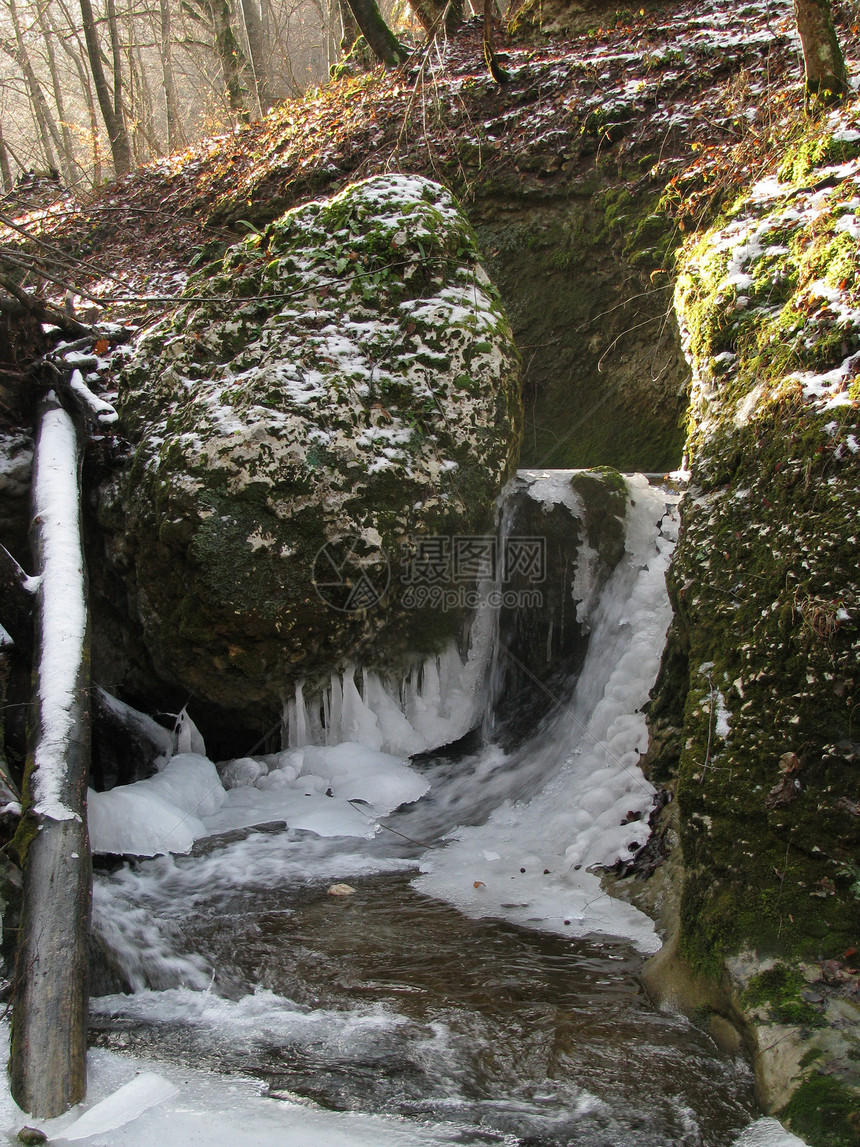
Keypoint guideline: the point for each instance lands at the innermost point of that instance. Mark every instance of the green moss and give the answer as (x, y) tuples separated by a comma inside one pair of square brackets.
[(815, 149), (778, 989), (765, 587), (824, 1112), (25, 834)]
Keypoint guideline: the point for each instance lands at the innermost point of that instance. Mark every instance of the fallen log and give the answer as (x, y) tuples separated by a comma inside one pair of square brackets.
[(17, 598), (49, 997), (127, 744)]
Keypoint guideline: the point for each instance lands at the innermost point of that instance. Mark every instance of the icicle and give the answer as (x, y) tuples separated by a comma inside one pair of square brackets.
[(186, 736), (299, 727)]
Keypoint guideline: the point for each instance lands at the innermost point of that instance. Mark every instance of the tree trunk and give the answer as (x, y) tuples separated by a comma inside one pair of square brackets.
[(144, 138), (496, 70), (384, 44), (230, 56), (77, 58), (351, 30), (116, 129), (432, 12), (41, 112), (257, 50), (116, 65), (49, 1026), (175, 135), (826, 76), (69, 165), (5, 168)]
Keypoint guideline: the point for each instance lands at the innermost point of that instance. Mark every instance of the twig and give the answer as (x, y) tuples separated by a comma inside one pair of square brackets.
[(42, 310)]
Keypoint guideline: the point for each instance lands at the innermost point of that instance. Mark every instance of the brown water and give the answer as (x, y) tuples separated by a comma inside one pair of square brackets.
[(514, 1036)]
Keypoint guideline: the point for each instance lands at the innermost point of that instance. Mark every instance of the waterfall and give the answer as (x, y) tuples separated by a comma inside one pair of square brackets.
[(569, 794), (572, 797)]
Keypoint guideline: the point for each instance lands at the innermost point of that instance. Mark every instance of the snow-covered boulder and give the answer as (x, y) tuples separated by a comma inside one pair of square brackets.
[(346, 377)]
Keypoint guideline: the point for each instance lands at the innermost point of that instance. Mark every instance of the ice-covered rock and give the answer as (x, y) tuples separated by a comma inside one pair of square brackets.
[(161, 814)]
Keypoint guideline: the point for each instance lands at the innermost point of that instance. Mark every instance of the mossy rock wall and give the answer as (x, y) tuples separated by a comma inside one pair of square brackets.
[(575, 523), (538, 19), (605, 378), (346, 372), (755, 713)]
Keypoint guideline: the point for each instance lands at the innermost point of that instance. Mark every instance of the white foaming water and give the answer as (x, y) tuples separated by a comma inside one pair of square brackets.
[(262, 1018), (139, 913)]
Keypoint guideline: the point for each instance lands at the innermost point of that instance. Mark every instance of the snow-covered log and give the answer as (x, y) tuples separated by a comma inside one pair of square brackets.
[(48, 1056), (93, 408)]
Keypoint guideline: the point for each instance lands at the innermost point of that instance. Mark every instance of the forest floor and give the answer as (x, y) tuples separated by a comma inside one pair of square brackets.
[(695, 98)]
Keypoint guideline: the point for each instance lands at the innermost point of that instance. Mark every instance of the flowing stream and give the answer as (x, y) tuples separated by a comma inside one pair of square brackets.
[(472, 976)]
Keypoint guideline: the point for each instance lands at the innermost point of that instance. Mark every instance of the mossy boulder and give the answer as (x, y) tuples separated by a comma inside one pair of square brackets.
[(346, 376), (553, 18), (760, 679)]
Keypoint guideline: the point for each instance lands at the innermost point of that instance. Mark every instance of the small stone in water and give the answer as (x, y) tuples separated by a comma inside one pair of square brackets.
[(32, 1135), (341, 890), (522, 870)]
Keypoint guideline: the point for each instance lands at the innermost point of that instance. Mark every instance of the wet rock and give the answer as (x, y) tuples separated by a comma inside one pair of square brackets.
[(560, 542), (32, 1135)]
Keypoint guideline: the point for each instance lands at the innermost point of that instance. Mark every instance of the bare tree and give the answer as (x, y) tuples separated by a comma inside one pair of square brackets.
[(70, 166), (253, 20), (826, 76), (433, 13), (48, 132), (90, 75), (5, 167), (77, 58), (384, 44), (116, 128)]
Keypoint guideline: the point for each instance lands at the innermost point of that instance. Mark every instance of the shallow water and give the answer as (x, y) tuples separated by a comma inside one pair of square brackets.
[(393, 1002)]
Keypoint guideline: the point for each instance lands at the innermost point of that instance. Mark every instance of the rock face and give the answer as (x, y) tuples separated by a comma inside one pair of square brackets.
[(562, 536), (345, 377), (550, 18), (755, 712), (605, 380)]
